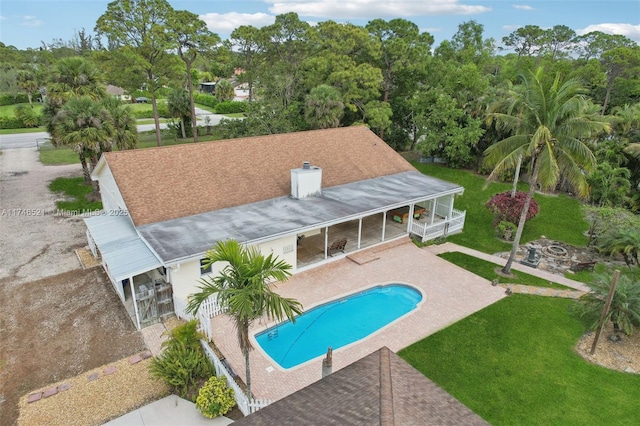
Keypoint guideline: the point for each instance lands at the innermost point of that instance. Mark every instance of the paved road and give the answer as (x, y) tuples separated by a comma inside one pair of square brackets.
[(32, 140)]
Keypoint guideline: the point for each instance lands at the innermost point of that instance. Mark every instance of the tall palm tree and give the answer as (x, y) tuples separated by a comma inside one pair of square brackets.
[(244, 291), (323, 107), (548, 122), (86, 126)]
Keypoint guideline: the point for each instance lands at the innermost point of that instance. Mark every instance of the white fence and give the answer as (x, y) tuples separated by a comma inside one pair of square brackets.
[(246, 405), (208, 309), (441, 229)]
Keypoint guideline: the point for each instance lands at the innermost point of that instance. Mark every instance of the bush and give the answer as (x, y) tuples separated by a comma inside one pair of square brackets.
[(204, 99), (507, 208), (182, 364), (506, 230), (215, 398), (11, 99), (11, 123), (148, 113), (231, 107), (27, 115)]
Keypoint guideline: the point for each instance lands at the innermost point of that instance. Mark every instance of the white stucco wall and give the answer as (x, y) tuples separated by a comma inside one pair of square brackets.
[(109, 192)]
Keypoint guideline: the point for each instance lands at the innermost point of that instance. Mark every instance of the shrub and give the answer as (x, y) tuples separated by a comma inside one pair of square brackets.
[(231, 107), (11, 98), (206, 100), (182, 364), (215, 398), (508, 208), (506, 230), (28, 116), (10, 123)]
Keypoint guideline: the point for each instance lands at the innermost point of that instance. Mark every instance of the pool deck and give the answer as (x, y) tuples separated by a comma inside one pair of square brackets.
[(450, 293)]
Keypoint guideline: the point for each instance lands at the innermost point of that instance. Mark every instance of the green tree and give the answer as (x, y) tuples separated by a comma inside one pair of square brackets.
[(224, 91), (124, 123), (624, 241), (178, 104), (547, 123), (138, 35), (246, 39), (624, 312), (610, 186), (193, 39), (323, 107), (27, 82), (526, 41), (618, 63), (85, 125), (244, 289)]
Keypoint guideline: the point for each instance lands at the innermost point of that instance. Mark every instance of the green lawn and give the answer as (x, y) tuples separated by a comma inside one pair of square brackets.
[(8, 110), (513, 363), (76, 190), (16, 131), (559, 218), (486, 270)]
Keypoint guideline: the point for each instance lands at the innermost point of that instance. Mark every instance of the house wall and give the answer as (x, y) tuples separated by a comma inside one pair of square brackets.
[(109, 192), (185, 278)]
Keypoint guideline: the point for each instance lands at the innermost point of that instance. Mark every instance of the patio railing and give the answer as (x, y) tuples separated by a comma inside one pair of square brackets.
[(245, 404), (449, 225)]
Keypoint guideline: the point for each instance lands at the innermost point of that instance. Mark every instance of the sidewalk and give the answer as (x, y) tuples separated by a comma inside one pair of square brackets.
[(451, 247), (168, 411)]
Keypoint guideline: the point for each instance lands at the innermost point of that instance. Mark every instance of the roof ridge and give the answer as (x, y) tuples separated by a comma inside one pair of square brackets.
[(386, 389)]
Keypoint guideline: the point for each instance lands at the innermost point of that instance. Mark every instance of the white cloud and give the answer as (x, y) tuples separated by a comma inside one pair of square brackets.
[(628, 30), (522, 7), (511, 27), (363, 9), (225, 23), (431, 30), (30, 21), (2, 18)]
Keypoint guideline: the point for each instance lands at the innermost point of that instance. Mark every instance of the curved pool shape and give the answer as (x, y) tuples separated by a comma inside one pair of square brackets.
[(337, 323)]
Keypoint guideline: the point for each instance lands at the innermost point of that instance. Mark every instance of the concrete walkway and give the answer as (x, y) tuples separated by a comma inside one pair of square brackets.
[(451, 247), (168, 411)]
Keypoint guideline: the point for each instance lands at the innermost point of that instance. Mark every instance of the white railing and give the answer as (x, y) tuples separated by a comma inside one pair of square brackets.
[(441, 229), (245, 404), (208, 309)]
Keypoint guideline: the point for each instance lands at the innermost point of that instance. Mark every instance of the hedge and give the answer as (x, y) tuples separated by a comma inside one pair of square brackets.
[(11, 99), (11, 123), (206, 100), (231, 107)]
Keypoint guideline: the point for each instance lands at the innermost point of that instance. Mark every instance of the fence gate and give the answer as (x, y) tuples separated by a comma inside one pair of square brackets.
[(154, 303)]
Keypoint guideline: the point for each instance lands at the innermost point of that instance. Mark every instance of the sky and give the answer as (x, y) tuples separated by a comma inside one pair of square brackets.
[(26, 23)]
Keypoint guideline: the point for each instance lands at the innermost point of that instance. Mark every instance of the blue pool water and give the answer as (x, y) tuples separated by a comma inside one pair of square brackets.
[(337, 323)]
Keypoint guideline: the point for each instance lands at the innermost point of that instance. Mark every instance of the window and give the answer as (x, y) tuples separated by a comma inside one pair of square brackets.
[(204, 270)]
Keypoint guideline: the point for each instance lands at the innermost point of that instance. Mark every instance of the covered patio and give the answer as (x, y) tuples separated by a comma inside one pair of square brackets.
[(449, 294)]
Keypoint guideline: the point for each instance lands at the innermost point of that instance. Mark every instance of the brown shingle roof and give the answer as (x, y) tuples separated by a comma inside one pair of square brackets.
[(379, 389), (165, 183)]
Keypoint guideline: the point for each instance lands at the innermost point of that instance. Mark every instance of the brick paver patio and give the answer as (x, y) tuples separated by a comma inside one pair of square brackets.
[(449, 294)]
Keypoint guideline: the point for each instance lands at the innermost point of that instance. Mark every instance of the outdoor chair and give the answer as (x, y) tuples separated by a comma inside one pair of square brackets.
[(337, 245)]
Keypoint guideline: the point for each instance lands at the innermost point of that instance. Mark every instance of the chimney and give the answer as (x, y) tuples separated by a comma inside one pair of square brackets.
[(306, 181)]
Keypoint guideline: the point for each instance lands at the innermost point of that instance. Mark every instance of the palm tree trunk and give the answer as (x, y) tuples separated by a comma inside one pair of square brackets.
[(517, 177), (85, 168), (184, 132), (247, 372), (533, 181)]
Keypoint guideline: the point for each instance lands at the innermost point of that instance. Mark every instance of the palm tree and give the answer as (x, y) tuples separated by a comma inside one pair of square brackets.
[(548, 122), (243, 289), (86, 126), (624, 241), (624, 312), (323, 107), (179, 107), (124, 123)]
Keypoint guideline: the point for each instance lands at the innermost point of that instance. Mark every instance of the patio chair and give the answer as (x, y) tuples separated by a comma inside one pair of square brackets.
[(337, 245)]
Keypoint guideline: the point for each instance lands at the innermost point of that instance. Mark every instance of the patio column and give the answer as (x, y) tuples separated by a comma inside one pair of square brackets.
[(359, 232), (135, 303), (451, 197), (434, 205), (384, 223), (410, 221), (326, 241)]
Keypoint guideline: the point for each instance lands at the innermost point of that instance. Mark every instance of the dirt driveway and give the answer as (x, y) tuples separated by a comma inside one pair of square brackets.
[(56, 319)]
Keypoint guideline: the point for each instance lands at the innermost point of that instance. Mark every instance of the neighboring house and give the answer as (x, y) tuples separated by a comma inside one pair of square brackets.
[(208, 87), (307, 197), (379, 389), (117, 92)]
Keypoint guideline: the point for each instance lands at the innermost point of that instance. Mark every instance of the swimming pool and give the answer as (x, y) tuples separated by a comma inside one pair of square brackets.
[(337, 323)]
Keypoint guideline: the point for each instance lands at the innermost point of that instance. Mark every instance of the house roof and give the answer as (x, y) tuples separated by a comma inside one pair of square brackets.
[(120, 246), (160, 184), (379, 389), (114, 90), (191, 236)]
